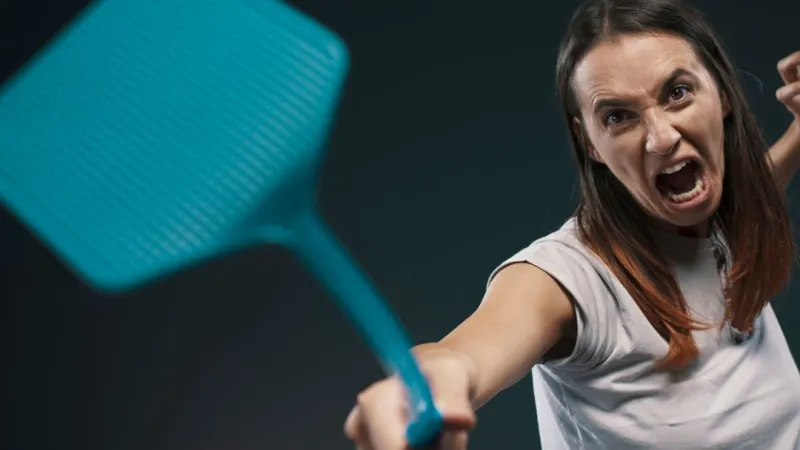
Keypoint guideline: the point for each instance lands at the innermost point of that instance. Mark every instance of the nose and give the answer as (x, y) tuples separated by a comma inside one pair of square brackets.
[(662, 137)]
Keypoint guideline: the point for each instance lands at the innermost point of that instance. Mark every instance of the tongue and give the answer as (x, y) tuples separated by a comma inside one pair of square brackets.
[(680, 181)]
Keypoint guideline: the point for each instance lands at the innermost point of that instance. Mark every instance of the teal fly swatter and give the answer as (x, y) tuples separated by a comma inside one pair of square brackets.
[(151, 135)]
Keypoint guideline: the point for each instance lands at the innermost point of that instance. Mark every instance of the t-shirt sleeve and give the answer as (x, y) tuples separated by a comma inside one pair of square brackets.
[(588, 291)]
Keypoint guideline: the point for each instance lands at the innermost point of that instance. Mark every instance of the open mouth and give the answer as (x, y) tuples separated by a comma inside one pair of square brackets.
[(682, 182)]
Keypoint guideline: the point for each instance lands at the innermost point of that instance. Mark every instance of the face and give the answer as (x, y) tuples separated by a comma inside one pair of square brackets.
[(653, 114)]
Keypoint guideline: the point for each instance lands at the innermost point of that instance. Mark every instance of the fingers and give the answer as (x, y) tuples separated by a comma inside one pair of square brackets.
[(786, 92), (789, 68), (789, 95), (452, 396), (352, 426), (378, 421), (453, 440)]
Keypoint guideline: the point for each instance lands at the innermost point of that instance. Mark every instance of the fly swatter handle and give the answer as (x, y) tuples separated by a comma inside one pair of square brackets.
[(320, 251)]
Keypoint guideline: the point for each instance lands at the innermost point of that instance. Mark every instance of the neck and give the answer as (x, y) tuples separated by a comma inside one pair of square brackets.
[(698, 231), (693, 232)]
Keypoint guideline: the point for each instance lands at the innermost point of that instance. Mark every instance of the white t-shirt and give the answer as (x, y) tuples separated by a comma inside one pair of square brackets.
[(742, 393)]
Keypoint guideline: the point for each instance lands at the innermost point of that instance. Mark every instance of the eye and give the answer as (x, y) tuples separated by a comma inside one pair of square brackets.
[(677, 93), (615, 117)]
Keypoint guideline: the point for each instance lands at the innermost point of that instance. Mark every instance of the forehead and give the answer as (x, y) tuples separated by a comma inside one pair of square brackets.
[(632, 65)]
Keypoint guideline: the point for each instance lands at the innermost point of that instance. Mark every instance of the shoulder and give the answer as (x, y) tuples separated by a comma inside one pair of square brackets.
[(557, 248), (590, 286)]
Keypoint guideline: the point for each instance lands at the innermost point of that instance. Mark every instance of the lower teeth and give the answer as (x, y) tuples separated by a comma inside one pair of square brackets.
[(686, 196)]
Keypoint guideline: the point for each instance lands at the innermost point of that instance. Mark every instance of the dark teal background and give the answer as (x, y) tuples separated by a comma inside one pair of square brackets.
[(449, 154)]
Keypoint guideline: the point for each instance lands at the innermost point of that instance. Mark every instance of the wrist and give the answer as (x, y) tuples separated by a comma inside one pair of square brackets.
[(436, 354), (794, 131), (424, 352), (789, 142)]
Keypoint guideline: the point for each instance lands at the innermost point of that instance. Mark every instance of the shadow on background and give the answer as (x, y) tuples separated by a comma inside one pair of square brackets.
[(449, 154)]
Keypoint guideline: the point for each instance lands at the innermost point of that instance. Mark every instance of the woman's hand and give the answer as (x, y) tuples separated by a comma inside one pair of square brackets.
[(379, 419), (789, 93), (523, 314), (785, 152)]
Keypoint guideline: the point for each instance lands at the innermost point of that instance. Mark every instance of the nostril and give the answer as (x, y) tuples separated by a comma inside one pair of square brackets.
[(668, 150)]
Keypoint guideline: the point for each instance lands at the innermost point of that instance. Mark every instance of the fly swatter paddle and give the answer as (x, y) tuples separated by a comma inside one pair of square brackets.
[(151, 135)]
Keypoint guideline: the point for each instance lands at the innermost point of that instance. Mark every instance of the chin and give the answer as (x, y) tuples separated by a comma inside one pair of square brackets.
[(693, 219)]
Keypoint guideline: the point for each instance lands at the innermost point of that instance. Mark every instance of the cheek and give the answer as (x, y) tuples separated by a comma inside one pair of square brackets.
[(622, 154), (625, 164), (704, 125)]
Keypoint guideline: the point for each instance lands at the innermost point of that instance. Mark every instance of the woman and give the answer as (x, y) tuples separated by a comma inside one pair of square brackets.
[(646, 317)]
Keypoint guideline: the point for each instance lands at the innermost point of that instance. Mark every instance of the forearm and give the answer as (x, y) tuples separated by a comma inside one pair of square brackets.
[(785, 154), (522, 315)]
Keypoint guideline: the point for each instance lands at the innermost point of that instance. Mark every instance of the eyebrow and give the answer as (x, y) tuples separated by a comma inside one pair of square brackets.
[(668, 82)]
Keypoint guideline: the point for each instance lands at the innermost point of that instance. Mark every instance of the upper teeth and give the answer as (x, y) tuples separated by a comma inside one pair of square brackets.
[(675, 168)]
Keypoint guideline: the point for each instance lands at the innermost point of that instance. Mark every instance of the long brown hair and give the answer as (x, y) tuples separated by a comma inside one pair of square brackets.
[(752, 215)]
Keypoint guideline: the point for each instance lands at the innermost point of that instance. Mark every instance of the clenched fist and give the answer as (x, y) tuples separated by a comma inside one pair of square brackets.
[(379, 419), (789, 93)]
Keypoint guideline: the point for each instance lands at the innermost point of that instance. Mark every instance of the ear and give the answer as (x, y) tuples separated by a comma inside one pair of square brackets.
[(583, 140), (726, 105)]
